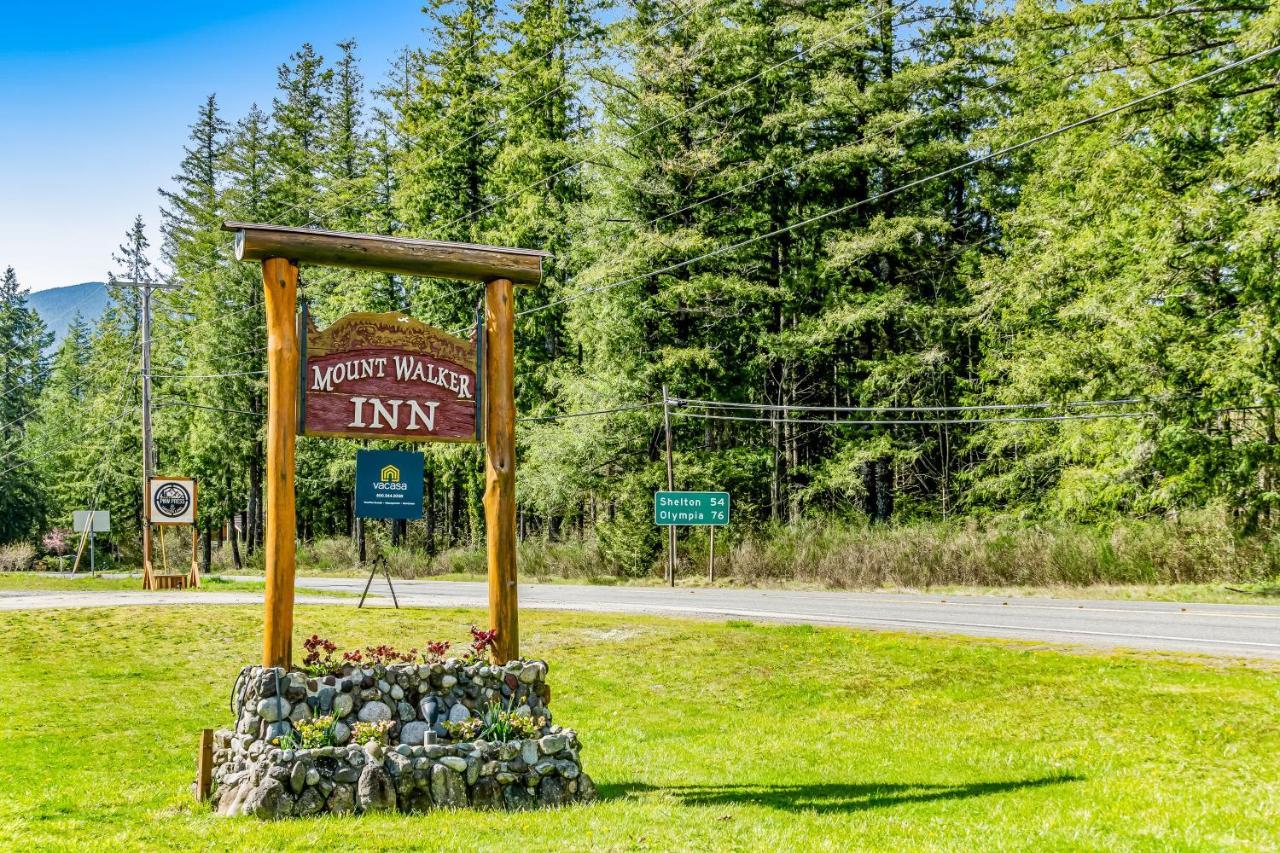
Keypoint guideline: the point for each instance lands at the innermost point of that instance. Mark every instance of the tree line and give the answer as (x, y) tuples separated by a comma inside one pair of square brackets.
[(741, 205)]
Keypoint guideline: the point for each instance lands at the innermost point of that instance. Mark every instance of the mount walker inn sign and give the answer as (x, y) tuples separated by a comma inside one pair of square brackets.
[(387, 376)]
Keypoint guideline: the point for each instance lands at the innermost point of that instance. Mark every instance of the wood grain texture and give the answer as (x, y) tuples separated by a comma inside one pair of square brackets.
[(404, 255), (280, 285), (500, 466), (362, 356), (204, 766)]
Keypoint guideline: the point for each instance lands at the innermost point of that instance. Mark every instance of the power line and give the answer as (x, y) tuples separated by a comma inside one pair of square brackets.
[(166, 402), (626, 408), (1008, 149), (81, 385), (903, 122), (408, 140), (990, 407), (915, 422), (803, 53), (62, 445), (207, 375)]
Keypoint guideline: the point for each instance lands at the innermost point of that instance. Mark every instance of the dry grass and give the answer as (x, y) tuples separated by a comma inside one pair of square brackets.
[(1198, 550), (18, 557)]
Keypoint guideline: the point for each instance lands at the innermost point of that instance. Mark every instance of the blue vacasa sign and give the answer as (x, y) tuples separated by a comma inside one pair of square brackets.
[(388, 484)]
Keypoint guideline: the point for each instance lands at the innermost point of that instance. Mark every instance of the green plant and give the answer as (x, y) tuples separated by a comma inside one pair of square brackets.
[(313, 663), (364, 732), (496, 724), (481, 645), (309, 734)]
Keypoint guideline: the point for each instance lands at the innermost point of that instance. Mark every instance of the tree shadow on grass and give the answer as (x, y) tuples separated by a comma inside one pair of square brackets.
[(828, 797)]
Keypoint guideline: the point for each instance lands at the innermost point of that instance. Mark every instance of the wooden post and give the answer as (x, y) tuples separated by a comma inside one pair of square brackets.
[(193, 579), (204, 766), (500, 465), (671, 487), (711, 559), (280, 285)]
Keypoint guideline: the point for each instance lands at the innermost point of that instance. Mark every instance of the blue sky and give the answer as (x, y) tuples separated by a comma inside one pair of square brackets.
[(96, 99)]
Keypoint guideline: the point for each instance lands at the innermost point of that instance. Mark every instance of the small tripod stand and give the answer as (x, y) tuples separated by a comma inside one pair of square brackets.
[(378, 561)]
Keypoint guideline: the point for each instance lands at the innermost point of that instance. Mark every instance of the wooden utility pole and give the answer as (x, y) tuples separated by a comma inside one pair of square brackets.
[(671, 487), (148, 451), (281, 250), (280, 286), (500, 466)]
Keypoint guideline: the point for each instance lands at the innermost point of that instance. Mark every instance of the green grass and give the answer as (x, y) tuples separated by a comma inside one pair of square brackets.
[(114, 582), (714, 736), (111, 582)]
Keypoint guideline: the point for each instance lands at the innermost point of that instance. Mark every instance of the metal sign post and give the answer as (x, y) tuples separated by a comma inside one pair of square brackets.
[(87, 522), (693, 509)]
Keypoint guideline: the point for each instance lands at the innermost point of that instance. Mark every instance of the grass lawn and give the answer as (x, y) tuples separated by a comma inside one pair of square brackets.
[(707, 736), (111, 582)]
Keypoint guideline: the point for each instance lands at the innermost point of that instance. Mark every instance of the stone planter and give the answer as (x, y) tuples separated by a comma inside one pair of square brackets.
[(252, 774)]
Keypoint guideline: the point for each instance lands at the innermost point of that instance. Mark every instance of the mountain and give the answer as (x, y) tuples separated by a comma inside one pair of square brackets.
[(57, 306)]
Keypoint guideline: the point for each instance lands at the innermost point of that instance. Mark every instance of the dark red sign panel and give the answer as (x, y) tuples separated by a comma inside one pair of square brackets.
[(388, 376)]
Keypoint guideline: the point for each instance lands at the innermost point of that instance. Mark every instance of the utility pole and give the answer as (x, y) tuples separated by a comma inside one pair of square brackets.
[(148, 452), (671, 487)]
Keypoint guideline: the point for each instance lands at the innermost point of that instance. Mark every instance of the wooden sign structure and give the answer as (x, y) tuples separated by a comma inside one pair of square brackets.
[(281, 250), (387, 376), (171, 501)]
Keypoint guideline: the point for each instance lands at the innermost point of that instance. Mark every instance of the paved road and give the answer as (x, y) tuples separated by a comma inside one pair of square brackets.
[(1220, 629), (1216, 629)]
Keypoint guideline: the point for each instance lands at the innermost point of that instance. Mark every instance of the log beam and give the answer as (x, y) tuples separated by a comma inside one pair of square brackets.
[(404, 255)]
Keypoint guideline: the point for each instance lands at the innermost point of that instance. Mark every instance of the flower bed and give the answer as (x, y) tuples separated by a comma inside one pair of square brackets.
[(293, 750)]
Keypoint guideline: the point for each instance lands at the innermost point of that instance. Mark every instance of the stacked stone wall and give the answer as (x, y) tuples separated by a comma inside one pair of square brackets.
[(255, 771)]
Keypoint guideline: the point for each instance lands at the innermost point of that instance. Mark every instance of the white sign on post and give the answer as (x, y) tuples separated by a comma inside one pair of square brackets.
[(101, 520), (173, 500)]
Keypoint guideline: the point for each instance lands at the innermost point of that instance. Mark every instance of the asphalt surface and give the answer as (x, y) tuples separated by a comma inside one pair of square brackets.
[(1234, 630)]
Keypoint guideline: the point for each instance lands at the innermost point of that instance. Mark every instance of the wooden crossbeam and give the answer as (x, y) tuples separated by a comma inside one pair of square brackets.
[(404, 255)]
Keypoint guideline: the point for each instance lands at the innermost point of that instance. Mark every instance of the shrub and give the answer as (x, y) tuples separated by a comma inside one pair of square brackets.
[(482, 643), (18, 557), (436, 650), (310, 734), (313, 663), (57, 541), (365, 732), (1197, 548), (497, 725)]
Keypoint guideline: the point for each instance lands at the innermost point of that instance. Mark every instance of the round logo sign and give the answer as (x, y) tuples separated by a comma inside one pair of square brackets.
[(172, 500)]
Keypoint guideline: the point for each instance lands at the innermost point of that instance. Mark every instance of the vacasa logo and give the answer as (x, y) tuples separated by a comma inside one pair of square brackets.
[(390, 480)]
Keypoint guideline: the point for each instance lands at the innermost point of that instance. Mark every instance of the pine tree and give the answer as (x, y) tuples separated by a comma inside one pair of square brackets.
[(23, 372)]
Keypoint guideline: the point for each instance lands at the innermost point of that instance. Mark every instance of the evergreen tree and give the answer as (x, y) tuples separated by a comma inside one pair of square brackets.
[(23, 372)]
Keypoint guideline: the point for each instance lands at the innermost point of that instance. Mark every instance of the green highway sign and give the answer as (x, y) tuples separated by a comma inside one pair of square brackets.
[(698, 509)]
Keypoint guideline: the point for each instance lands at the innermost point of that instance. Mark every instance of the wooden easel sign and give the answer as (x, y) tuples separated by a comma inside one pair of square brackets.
[(171, 501), (387, 376)]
